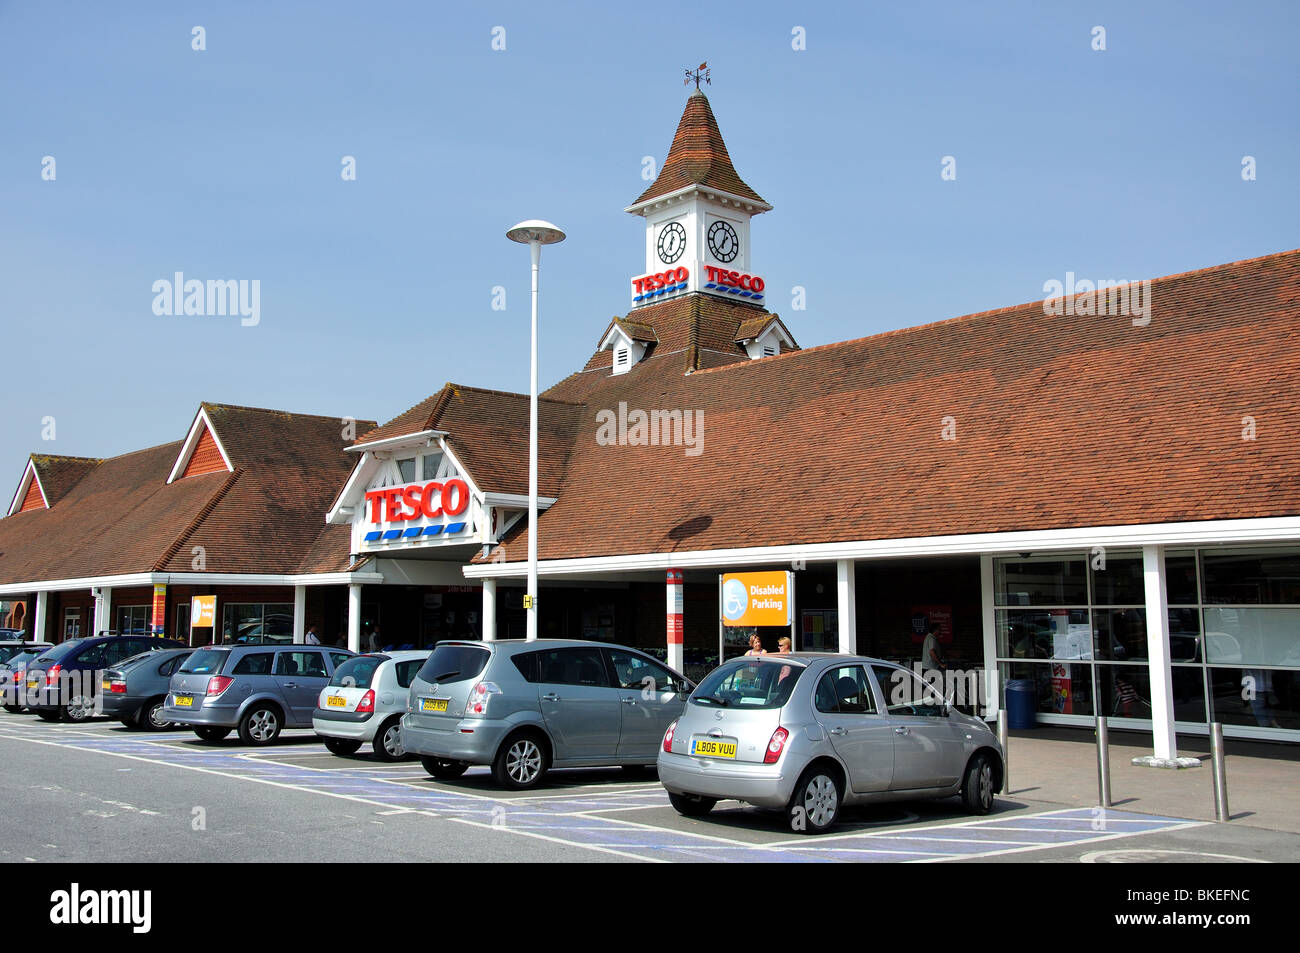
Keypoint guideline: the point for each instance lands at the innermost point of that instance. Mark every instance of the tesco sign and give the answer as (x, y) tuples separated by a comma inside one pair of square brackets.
[(660, 279), (396, 504), (734, 279)]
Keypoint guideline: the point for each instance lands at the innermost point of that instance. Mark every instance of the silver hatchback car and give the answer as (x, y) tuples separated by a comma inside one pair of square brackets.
[(524, 707), (806, 733)]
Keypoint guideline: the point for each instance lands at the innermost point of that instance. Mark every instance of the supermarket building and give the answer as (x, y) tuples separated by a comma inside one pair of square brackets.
[(1106, 508)]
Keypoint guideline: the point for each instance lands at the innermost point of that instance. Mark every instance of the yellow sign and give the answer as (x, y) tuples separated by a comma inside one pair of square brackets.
[(203, 612), (757, 598)]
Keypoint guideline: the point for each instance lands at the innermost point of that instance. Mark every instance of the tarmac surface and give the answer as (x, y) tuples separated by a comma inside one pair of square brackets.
[(102, 792)]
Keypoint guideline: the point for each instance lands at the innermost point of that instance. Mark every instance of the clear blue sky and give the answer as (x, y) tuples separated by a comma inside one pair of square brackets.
[(225, 164)]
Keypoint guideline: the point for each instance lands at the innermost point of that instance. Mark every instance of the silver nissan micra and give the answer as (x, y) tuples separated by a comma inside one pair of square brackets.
[(806, 733)]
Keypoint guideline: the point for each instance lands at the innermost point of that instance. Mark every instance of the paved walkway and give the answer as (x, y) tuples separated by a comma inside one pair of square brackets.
[(1059, 765)]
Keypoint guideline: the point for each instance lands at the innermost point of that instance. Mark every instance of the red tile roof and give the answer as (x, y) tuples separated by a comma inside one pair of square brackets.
[(122, 516), (698, 156), (1069, 421)]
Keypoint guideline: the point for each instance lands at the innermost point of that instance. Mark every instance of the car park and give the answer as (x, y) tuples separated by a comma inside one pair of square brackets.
[(12, 687), (525, 707), (364, 703), (64, 681), (807, 733), (257, 689), (135, 690)]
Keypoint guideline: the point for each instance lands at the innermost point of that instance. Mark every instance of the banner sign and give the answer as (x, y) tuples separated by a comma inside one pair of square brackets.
[(203, 612), (158, 624), (757, 598)]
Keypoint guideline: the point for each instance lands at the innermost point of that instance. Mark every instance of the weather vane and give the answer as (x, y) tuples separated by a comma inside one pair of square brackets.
[(699, 73)]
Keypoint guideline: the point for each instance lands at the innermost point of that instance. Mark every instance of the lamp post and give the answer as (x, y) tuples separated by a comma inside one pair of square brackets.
[(534, 234)]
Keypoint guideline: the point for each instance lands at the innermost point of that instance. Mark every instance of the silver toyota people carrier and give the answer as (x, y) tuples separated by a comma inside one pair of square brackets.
[(806, 733)]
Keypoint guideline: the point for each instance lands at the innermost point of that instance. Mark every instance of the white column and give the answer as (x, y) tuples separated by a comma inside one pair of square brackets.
[(489, 610), (530, 612), (675, 584), (988, 625), (354, 617), (847, 601), (38, 616), (103, 621), (1162, 686), (299, 614)]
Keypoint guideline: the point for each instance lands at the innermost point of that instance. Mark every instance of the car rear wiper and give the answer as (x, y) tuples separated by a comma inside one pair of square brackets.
[(713, 698), (439, 678)]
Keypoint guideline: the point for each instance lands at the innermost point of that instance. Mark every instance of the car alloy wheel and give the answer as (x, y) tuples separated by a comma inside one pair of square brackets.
[(80, 708), (260, 727), (153, 716), (986, 785), (979, 786), (524, 762)]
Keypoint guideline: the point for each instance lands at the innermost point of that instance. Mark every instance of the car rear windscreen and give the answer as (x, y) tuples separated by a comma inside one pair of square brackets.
[(204, 662), (357, 672), (62, 650), (454, 663), (748, 685)]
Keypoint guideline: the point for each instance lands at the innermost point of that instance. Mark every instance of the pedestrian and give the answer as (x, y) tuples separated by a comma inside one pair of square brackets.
[(783, 645), (756, 645), (930, 655), (311, 638), (374, 644)]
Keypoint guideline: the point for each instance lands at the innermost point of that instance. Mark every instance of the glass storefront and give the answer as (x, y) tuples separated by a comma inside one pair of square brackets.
[(1074, 626), (243, 622)]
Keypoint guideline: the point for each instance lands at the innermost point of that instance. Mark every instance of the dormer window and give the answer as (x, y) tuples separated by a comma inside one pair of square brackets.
[(629, 342), (764, 337)]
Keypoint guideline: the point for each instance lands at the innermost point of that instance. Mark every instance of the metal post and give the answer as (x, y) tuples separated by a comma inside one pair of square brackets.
[(1003, 739), (1103, 762), (530, 613), (1220, 772)]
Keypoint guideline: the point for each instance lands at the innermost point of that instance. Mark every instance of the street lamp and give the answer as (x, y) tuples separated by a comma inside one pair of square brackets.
[(534, 234)]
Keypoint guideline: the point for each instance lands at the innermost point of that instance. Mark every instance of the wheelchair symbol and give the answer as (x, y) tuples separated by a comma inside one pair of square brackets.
[(735, 599)]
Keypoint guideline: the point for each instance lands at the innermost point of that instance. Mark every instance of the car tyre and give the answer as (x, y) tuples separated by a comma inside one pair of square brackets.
[(815, 805), (260, 725), (79, 709), (691, 805), (212, 733), (129, 723), (45, 714), (387, 743), (444, 769), (342, 746), (977, 785), (151, 715), (521, 761), (13, 709)]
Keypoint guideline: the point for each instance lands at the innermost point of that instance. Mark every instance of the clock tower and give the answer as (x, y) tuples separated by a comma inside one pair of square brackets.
[(697, 214)]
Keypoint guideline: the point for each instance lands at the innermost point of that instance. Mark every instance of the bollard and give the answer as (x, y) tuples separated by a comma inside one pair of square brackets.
[(1003, 738), (1220, 772), (1103, 762)]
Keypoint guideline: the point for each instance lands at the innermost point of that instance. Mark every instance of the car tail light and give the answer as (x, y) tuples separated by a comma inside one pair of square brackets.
[(477, 703), (218, 684), (367, 702), (52, 676), (117, 686), (776, 746), (668, 737)]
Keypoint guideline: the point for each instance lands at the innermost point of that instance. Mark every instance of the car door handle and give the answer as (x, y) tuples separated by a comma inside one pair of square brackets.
[(837, 730), (550, 697), (290, 684), (900, 730), (629, 701)]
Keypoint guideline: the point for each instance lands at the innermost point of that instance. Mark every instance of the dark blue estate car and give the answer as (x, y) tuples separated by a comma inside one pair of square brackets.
[(65, 681)]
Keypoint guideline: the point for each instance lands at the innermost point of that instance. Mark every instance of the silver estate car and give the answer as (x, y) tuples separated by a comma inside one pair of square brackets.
[(525, 707), (364, 702), (807, 732), (258, 689)]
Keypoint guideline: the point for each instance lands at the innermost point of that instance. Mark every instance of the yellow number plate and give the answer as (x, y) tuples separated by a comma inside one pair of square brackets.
[(433, 704), (336, 701), (184, 701), (31, 685), (713, 749)]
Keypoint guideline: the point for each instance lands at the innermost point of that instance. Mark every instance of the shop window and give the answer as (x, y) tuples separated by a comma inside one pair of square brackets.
[(256, 622), (1118, 581), (72, 622), (1256, 697), (407, 469), (133, 620), (1270, 577), (1041, 581), (429, 463), (1252, 635)]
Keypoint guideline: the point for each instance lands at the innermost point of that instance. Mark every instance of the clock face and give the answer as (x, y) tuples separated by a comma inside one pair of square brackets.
[(723, 241), (672, 242)]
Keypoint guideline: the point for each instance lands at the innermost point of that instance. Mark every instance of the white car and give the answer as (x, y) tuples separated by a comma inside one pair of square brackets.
[(365, 701)]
